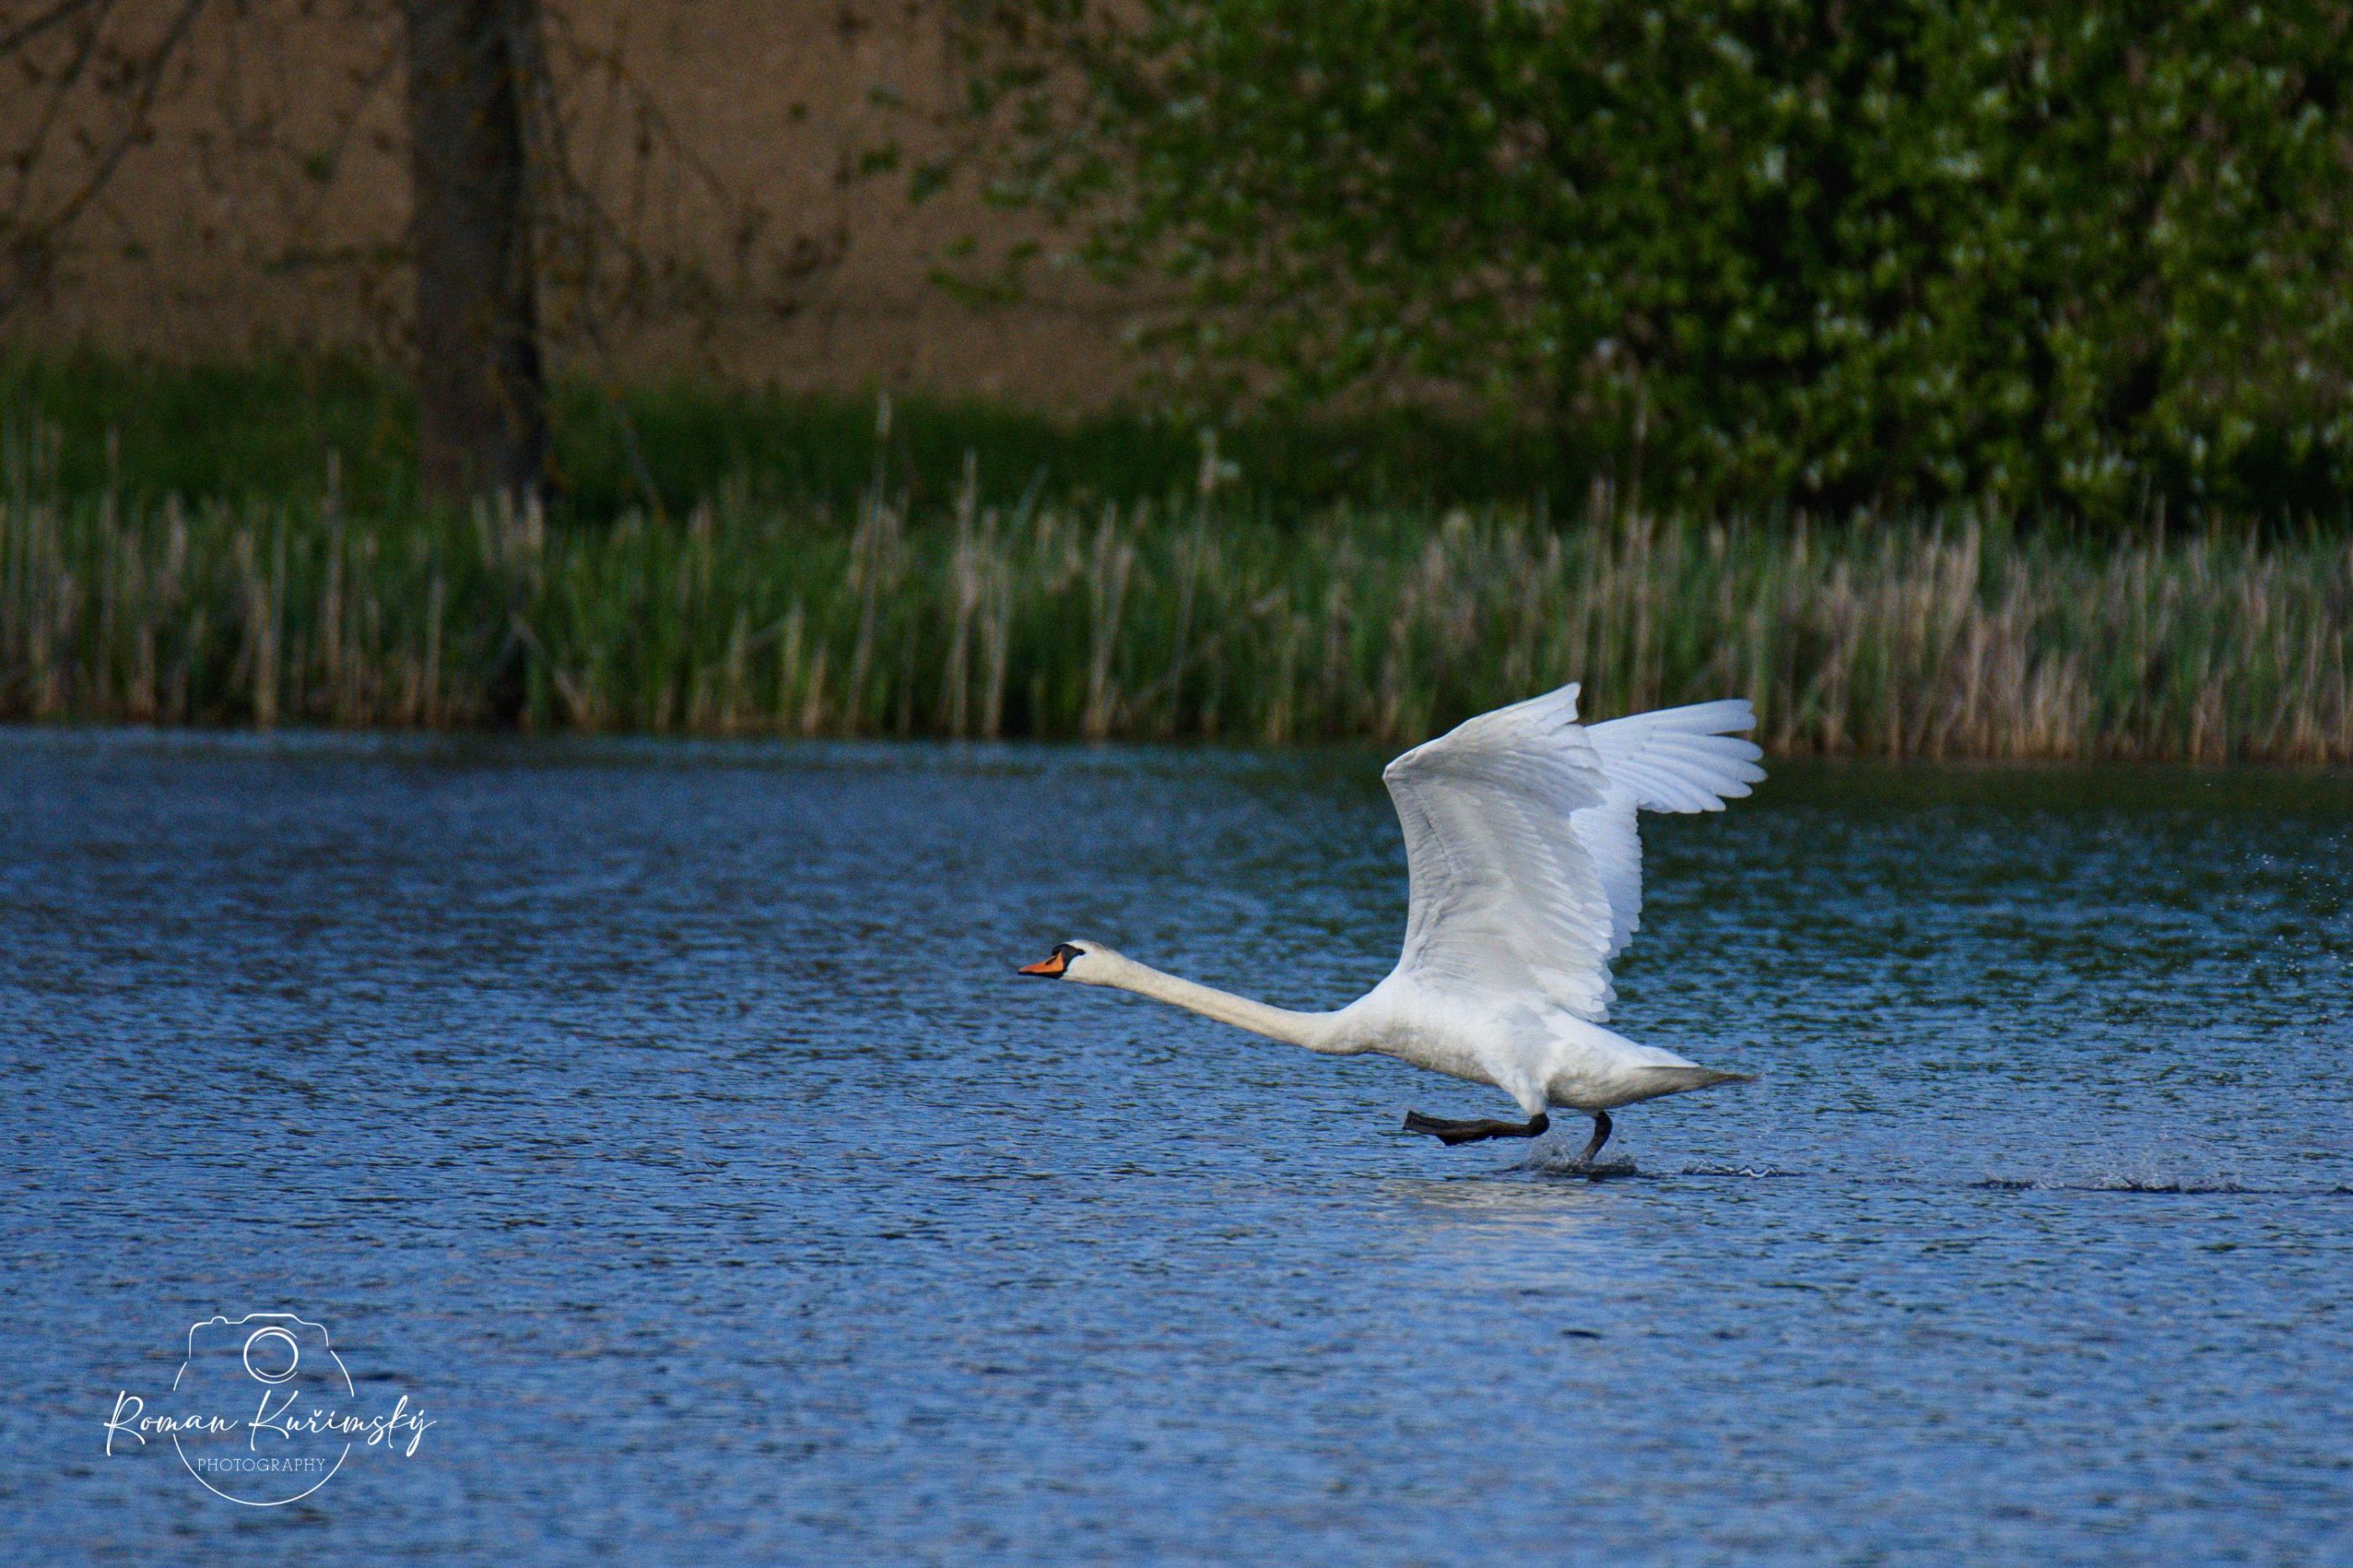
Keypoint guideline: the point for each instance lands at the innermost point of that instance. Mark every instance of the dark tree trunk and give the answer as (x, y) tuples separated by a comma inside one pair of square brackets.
[(482, 399)]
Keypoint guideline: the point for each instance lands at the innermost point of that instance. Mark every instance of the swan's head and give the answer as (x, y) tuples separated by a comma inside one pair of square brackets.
[(1085, 962)]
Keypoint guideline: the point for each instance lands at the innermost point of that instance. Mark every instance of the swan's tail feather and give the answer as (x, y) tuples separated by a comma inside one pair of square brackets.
[(1677, 1080)]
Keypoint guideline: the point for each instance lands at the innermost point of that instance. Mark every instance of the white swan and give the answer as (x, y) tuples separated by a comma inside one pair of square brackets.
[(1526, 880)]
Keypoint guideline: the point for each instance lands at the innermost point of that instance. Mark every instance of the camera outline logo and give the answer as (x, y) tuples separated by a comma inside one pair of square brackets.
[(262, 1411), (279, 1339)]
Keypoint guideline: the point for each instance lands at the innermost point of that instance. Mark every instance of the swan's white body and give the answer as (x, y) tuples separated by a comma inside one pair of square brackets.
[(1526, 871)]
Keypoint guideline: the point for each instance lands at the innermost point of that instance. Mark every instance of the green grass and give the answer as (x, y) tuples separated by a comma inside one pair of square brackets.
[(1043, 618), (266, 430)]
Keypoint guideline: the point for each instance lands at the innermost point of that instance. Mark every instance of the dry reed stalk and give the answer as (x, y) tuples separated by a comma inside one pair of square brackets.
[(1934, 638)]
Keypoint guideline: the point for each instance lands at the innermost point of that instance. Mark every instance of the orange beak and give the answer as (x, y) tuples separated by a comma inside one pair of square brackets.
[(1051, 966)]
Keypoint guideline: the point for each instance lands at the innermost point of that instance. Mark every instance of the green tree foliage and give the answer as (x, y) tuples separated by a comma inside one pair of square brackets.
[(2056, 252)]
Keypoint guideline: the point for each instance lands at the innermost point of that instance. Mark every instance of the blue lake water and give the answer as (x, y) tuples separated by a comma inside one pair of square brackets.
[(664, 1122)]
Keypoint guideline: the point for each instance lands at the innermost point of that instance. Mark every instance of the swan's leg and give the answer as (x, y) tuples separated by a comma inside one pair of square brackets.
[(1451, 1132), (1601, 1136)]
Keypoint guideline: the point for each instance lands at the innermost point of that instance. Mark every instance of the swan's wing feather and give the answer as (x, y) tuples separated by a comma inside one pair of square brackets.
[(1506, 897), (1615, 845), (1679, 759), (1682, 759)]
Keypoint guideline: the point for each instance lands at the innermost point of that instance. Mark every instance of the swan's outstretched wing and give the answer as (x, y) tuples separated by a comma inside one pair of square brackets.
[(1520, 840), (1677, 759), (1506, 901)]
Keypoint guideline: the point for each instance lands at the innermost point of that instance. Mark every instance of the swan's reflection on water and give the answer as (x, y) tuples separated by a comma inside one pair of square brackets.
[(1514, 1229)]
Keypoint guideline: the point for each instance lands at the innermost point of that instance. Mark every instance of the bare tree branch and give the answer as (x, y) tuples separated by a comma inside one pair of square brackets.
[(26, 32), (150, 79)]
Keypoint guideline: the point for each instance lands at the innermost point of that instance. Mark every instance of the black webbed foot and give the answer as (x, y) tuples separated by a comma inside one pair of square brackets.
[(1454, 1132)]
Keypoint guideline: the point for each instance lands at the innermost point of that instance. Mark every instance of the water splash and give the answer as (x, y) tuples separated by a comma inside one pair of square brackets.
[(1560, 1161), (2120, 1184)]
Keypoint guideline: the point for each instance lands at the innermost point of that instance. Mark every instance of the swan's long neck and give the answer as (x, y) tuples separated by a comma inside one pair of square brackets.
[(1316, 1031)]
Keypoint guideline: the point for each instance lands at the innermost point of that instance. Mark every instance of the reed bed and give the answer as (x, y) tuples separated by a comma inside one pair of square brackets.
[(1951, 637)]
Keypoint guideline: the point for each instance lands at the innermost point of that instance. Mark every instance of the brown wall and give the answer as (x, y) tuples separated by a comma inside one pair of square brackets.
[(716, 225)]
